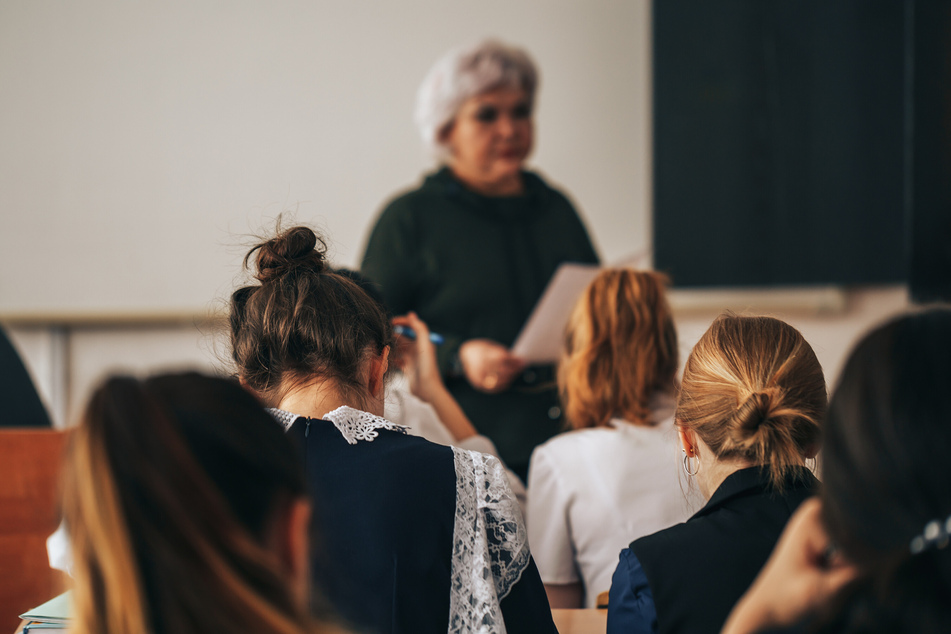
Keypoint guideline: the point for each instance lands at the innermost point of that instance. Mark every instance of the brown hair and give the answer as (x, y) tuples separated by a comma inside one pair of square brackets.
[(620, 349), (303, 320), (754, 390), (170, 489)]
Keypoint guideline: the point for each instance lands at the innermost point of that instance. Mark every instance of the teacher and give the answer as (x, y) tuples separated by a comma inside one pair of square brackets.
[(472, 249)]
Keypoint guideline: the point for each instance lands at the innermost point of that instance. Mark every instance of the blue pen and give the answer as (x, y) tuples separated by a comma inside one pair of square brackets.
[(410, 334)]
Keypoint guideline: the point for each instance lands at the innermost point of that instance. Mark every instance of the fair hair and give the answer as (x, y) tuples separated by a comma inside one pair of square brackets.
[(753, 390), (621, 349), (467, 72)]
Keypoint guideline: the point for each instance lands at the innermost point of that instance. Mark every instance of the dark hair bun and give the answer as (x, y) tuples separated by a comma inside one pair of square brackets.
[(295, 249)]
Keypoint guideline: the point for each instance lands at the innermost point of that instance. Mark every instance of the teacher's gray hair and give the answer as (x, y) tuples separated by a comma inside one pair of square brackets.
[(467, 72)]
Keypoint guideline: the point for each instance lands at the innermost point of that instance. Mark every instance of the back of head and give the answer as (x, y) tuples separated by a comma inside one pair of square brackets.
[(303, 321), (753, 390), (620, 349), (885, 475), (171, 489), (466, 72)]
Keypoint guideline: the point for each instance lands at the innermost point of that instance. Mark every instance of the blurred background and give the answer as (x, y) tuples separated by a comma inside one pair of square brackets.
[(146, 144)]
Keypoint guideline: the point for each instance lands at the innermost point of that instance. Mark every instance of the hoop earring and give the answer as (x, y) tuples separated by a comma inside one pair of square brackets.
[(687, 466), (812, 464)]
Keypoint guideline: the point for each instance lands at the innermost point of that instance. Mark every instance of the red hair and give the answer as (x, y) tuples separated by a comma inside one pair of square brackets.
[(620, 349)]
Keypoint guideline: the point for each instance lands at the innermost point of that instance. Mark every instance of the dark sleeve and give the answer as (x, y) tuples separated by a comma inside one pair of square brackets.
[(20, 399), (392, 256), (631, 605), (525, 608)]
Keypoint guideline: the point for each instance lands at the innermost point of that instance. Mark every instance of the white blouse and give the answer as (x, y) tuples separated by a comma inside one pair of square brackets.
[(591, 492)]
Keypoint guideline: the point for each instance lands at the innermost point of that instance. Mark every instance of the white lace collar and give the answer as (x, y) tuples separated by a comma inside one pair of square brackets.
[(353, 424)]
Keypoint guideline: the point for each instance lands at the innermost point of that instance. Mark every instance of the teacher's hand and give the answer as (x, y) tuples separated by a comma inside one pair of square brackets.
[(488, 365)]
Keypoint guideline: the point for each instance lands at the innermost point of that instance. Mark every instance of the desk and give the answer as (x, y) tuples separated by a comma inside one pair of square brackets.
[(580, 621)]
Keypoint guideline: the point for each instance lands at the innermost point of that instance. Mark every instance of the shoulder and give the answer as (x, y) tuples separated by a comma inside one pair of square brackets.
[(553, 196), (670, 537), (434, 189), (568, 441)]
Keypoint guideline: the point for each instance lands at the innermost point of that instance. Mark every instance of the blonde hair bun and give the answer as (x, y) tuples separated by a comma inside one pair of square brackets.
[(753, 389)]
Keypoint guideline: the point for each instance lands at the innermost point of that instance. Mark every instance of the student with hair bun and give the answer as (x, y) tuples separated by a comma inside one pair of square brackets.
[(187, 511), (414, 536), (749, 414), (872, 554), (614, 477)]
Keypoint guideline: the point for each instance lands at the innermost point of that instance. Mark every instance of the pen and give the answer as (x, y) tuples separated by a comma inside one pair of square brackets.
[(410, 334)]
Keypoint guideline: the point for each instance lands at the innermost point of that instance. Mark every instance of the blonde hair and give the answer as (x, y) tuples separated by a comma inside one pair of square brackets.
[(170, 489), (620, 349), (754, 390)]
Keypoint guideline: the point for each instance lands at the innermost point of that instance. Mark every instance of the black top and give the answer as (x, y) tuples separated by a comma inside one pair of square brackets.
[(698, 570), (474, 266), (22, 404), (385, 509)]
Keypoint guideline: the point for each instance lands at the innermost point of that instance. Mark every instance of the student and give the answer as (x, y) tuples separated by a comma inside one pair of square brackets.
[(749, 415), (615, 477), (885, 501), (416, 537), (186, 508)]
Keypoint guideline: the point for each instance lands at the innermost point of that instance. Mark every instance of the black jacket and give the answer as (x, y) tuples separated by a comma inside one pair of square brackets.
[(698, 570)]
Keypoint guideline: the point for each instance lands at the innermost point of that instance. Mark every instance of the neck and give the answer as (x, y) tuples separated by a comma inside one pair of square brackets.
[(510, 186), (713, 472), (316, 399)]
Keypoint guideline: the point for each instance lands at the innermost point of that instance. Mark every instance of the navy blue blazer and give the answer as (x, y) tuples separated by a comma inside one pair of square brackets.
[(385, 512)]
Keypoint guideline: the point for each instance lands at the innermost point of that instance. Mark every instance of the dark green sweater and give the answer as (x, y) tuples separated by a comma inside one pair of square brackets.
[(473, 267)]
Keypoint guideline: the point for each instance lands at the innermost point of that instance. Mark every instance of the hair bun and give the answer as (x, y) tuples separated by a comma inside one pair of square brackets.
[(759, 407), (293, 249)]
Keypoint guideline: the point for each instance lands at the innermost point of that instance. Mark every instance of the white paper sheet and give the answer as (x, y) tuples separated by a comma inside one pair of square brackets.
[(543, 334)]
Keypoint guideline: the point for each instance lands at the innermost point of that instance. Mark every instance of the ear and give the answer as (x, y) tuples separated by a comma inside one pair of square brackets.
[(378, 367), (811, 451), (442, 137), (687, 441)]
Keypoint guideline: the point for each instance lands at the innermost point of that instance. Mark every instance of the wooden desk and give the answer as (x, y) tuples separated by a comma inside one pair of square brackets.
[(580, 621)]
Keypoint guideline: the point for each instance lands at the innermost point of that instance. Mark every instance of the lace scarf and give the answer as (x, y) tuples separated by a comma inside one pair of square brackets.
[(490, 544), (353, 424)]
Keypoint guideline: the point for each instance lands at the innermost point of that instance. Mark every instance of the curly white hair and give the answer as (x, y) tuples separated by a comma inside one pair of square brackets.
[(466, 72)]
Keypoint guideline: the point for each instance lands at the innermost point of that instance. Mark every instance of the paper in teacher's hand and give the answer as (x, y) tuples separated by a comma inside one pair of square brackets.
[(543, 334)]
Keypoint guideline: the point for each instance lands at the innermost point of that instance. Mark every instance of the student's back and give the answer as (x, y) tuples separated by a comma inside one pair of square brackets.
[(417, 537)]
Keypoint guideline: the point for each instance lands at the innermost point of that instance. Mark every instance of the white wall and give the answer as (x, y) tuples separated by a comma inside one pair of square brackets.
[(143, 141)]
